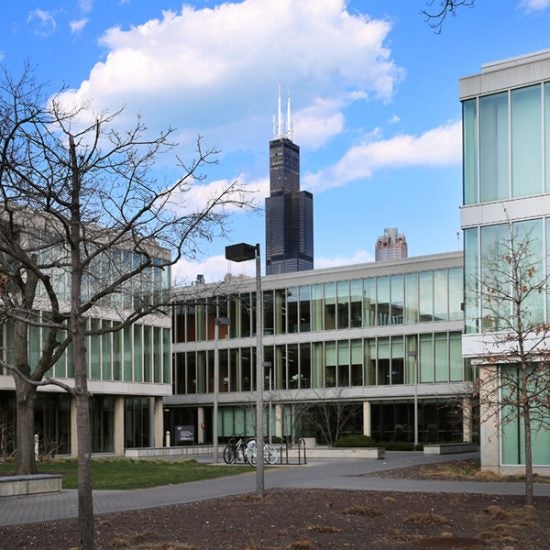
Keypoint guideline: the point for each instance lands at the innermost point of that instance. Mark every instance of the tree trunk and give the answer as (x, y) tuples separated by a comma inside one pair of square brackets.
[(85, 499), (25, 460), (77, 323), (528, 459)]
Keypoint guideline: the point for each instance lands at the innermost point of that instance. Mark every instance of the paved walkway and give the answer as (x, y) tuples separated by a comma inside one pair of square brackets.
[(327, 473)]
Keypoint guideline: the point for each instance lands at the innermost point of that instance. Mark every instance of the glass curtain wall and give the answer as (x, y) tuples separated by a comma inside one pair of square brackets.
[(335, 363), (425, 296), (506, 139)]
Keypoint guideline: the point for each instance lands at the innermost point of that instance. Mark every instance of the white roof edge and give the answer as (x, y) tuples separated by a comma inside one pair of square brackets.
[(516, 60)]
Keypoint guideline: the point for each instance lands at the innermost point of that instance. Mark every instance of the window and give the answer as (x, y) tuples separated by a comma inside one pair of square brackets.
[(305, 309), (397, 299), (356, 293), (526, 141), (292, 309), (411, 298), (383, 299), (470, 149), (343, 304), (493, 147), (330, 306), (370, 302), (426, 358), (426, 296)]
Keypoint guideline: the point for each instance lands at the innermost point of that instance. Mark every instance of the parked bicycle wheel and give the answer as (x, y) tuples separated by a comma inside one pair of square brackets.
[(250, 452), (271, 454), (229, 453)]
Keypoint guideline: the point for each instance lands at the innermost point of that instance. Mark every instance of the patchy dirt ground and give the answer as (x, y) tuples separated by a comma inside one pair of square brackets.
[(311, 519)]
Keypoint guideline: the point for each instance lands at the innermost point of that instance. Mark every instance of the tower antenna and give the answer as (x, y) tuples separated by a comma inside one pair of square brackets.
[(288, 119), (279, 116)]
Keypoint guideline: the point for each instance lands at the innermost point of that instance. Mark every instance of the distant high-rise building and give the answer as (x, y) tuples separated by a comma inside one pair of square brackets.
[(289, 211), (391, 245)]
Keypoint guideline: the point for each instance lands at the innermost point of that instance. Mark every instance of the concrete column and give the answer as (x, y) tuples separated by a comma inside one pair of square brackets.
[(489, 433), (200, 423), (158, 422), (118, 421), (279, 420), (467, 419), (367, 428), (74, 440)]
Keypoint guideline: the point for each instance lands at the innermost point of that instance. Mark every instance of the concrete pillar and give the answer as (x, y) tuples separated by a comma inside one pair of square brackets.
[(201, 425), (367, 427), (279, 421), (74, 440), (158, 422), (467, 419), (118, 427), (489, 433)]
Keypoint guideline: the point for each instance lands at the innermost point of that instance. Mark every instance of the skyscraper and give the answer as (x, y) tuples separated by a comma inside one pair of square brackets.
[(289, 211), (392, 245)]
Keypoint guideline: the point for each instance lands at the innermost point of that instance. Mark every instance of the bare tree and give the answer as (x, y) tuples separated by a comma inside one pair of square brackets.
[(438, 11), (80, 200), (514, 382), (328, 415)]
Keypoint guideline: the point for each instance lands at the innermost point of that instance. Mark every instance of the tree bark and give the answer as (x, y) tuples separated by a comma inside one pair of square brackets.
[(85, 498), (25, 400), (25, 460)]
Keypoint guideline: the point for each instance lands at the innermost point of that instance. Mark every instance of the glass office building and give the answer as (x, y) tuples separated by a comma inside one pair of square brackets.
[(370, 336), (289, 212), (129, 370), (506, 140)]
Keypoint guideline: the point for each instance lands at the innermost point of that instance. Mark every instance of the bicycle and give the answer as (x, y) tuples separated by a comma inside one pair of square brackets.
[(271, 454), (233, 450)]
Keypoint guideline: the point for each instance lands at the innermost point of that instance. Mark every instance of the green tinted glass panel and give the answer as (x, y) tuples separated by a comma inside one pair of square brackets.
[(493, 147), (526, 141), (470, 148)]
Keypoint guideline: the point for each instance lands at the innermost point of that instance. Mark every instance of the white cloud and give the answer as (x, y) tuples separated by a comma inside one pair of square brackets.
[(211, 68), (78, 24), (45, 21), (534, 5), (317, 123), (441, 146), (85, 5), (196, 196), (359, 257), (394, 119), (2, 56)]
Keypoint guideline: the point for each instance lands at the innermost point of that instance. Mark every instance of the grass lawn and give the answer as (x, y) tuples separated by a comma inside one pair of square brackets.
[(122, 473)]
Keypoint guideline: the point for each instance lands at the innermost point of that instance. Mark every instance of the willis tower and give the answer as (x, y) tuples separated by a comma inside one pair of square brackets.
[(289, 211)]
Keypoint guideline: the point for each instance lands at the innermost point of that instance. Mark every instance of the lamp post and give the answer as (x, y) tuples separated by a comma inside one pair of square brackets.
[(220, 321), (414, 355), (243, 252), (268, 365)]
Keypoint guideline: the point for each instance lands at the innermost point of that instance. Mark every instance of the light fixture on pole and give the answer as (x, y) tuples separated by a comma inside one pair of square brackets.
[(220, 321), (241, 253)]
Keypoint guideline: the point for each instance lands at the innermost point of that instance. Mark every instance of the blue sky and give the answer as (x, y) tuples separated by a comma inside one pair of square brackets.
[(374, 93)]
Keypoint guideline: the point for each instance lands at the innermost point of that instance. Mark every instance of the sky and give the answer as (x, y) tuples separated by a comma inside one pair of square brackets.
[(374, 94)]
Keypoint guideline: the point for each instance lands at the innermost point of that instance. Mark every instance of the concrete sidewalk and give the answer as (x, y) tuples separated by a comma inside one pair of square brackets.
[(353, 474)]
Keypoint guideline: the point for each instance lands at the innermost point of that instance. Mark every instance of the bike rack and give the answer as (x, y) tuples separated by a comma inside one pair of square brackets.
[(283, 451)]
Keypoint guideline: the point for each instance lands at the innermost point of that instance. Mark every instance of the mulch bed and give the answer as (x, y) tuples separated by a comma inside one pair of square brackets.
[(310, 519)]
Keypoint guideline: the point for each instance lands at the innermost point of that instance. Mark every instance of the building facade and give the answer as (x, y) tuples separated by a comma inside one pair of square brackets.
[(288, 211), (392, 245), (506, 125), (374, 339), (129, 370)]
